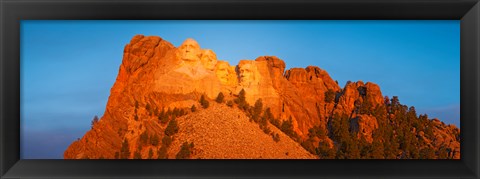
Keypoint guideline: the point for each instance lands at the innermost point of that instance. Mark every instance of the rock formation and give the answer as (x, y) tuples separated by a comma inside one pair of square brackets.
[(156, 79)]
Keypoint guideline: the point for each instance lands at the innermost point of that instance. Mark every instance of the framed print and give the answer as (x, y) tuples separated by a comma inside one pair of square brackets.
[(239, 89)]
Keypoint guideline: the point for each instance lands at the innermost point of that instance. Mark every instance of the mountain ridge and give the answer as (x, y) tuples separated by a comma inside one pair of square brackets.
[(305, 104)]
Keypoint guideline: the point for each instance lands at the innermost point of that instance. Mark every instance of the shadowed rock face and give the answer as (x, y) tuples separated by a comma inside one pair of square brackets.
[(155, 76)]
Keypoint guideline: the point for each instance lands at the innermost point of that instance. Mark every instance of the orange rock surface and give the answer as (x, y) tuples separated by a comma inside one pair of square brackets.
[(155, 76)]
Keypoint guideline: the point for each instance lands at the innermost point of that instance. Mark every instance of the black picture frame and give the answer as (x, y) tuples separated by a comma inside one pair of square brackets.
[(13, 11)]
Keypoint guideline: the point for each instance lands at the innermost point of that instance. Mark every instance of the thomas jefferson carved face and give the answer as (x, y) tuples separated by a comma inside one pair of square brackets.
[(190, 51), (209, 59)]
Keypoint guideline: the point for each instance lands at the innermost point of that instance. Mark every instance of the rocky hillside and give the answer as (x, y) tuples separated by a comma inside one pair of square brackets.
[(224, 132), (158, 109)]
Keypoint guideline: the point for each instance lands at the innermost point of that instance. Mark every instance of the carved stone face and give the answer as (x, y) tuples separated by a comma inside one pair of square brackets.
[(246, 73), (222, 72), (209, 59), (190, 51)]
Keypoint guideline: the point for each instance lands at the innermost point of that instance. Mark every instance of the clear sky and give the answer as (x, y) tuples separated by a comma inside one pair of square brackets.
[(68, 67)]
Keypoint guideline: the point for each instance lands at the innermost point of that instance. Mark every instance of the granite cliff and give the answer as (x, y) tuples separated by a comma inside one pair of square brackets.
[(156, 109)]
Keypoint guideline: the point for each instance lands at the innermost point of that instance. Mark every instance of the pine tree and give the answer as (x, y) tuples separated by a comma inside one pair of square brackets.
[(352, 148), (395, 104), (230, 103), (166, 141), (163, 116), (125, 151), (287, 127), (162, 153), (144, 138), (443, 152), (172, 128), (340, 126), (135, 112), (308, 145), (241, 100), (276, 137), (154, 140), (185, 151), (329, 96), (257, 110), (377, 151), (150, 154), (148, 108), (204, 102), (324, 151), (427, 153), (95, 120), (137, 155), (220, 98)]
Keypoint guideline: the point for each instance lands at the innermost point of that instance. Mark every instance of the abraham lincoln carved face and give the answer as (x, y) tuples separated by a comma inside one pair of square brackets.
[(246, 72)]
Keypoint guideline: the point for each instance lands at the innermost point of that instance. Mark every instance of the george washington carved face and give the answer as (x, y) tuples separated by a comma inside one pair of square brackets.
[(209, 59), (190, 51)]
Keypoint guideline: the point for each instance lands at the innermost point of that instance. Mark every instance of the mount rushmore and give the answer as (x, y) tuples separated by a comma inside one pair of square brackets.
[(156, 78)]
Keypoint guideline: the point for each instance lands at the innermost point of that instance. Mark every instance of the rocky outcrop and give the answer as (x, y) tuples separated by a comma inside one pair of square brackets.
[(155, 76), (447, 136), (311, 84), (353, 98), (364, 125)]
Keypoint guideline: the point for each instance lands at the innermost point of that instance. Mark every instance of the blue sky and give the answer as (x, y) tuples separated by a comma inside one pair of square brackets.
[(68, 67)]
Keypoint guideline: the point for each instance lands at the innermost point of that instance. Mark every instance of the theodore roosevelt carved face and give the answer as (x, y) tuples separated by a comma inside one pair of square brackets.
[(223, 72)]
